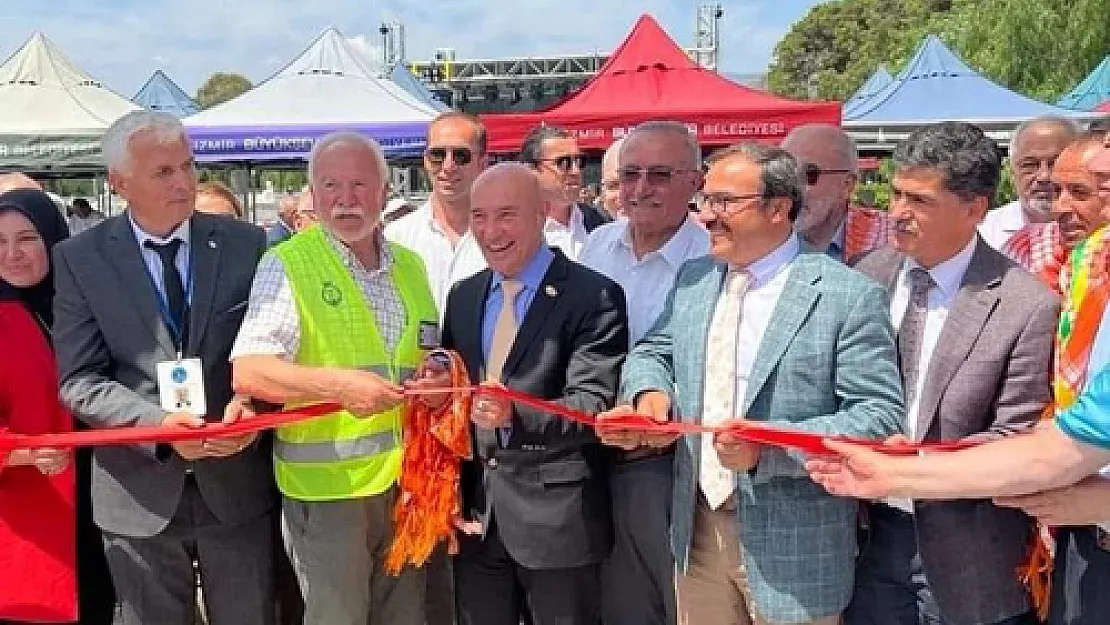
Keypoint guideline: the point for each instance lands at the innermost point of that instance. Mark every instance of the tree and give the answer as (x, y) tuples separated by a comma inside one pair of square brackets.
[(221, 87)]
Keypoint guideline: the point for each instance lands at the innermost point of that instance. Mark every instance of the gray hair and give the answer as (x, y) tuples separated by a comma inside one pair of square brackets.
[(843, 145), (967, 159), (780, 173), (611, 157), (351, 138), (116, 143), (677, 129), (1068, 126)]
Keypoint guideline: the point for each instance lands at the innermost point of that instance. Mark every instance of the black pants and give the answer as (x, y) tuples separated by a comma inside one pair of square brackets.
[(1081, 579)]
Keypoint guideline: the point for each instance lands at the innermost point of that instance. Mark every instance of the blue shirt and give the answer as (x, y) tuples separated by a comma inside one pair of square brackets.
[(530, 277), (1088, 420)]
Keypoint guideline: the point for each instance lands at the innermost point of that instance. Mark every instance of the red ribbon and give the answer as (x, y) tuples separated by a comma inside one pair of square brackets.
[(747, 430)]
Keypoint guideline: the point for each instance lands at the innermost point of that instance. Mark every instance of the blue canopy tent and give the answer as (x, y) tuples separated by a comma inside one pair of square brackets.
[(878, 81), (404, 79), (937, 86), (162, 94), (1094, 90)]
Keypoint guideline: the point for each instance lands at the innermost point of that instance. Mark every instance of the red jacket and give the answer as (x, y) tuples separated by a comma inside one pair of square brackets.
[(38, 561)]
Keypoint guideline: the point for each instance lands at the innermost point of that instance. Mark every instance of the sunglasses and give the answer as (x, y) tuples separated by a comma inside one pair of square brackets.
[(460, 156), (656, 175), (814, 173), (565, 163)]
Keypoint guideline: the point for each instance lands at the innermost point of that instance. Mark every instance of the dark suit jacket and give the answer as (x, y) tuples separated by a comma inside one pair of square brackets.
[(592, 217), (548, 489), (989, 375), (109, 335)]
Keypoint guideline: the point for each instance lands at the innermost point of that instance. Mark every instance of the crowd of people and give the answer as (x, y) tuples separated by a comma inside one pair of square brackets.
[(745, 286)]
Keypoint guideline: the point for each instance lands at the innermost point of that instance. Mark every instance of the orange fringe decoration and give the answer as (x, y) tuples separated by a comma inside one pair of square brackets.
[(1036, 573), (436, 440)]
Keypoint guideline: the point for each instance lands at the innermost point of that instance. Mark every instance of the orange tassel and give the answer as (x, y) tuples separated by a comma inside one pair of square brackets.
[(435, 442), (1036, 573)]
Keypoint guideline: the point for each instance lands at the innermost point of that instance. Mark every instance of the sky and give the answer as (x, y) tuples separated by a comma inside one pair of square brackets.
[(122, 42)]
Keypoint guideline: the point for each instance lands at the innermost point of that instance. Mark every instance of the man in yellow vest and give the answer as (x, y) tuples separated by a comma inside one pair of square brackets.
[(338, 315)]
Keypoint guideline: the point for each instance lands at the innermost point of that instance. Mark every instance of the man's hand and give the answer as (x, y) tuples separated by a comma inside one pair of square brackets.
[(630, 439), (735, 453), (48, 461), (364, 393), (491, 411), (1084, 503), (237, 409), (853, 471), (432, 375), (189, 450)]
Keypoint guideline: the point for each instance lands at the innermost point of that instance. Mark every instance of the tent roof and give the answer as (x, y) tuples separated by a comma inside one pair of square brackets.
[(404, 78), (43, 92), (326, 84), (878, 81), (1092, 91), (937, 86), (1104, 107), (160, 93), (650, 77)]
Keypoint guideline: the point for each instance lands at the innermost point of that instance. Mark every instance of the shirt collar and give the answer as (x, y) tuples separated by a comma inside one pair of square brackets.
[(838, 237), (532, 274), (766, 268), (385, 255), (677, 248), (574, 224), (949, 274), (142, 236)]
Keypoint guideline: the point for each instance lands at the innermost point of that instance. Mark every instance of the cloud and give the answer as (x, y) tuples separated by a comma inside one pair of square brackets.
[(121, 42)]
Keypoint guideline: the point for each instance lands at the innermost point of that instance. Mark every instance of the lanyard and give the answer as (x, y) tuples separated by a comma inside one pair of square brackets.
[(163, 302)]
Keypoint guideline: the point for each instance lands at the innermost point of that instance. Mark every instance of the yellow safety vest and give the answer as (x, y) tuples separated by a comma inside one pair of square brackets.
[(341, 456)]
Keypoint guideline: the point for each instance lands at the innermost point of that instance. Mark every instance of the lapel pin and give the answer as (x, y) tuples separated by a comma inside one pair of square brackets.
[(550, 291), (211, 244)]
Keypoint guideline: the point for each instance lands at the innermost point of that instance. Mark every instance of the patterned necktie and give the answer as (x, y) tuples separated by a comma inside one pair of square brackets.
[(912, 330), (172, 286), (504, 333), (719, 401)]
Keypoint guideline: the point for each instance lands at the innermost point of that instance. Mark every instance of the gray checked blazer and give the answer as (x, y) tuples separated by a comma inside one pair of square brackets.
[(989, 376), (109, 335), (826, 365)]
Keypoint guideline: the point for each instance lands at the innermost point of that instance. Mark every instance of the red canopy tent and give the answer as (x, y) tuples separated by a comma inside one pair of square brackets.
[(1104, 107), (650, 77)]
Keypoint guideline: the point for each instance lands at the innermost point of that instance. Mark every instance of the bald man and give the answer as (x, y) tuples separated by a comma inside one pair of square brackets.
[(1078, 211), (1033, 151), (535, 497), (283, 228), (610, 180), (828, 222)]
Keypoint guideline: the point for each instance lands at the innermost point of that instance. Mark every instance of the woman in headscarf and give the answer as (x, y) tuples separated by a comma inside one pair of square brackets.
[(38, 538)]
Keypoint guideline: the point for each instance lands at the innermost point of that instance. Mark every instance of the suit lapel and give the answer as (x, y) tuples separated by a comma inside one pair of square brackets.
[(204, 254), (545, 300), (131, 271), (793, 308), (972, 307)]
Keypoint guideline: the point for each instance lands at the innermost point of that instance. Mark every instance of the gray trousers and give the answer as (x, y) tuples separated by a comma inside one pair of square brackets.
[(638, 577), (1080, 579), (155, 580), (338, 549)]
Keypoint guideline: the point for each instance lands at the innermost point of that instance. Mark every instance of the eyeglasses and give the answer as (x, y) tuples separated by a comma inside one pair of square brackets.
[(566, 162), (460, 156), (814, 173), (611, 185), (724, 203), (655, 175)]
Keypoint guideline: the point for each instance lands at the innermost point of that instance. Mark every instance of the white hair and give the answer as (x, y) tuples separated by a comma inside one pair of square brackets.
[(347, 137), (677, 129), (116, 143), (1069, 127), (611, 160)]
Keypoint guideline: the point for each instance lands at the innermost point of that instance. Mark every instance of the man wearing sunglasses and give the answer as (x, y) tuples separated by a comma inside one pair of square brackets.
[(1033, 151), (659, 172), (439, 231), (553, 152), (765, 331), (828, 221)]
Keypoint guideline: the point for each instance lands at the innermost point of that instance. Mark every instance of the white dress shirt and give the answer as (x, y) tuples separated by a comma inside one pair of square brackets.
[(768, 279), (570, 238), (646, 281), (445, 263), (272, 326), (1002, 223), (154, 262)]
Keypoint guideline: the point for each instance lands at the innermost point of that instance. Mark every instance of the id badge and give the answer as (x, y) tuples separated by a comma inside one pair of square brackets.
[(181, 386), (429, 335)]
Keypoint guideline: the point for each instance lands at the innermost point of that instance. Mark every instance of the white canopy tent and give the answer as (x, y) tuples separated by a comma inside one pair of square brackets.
[(326, 88), (52, 113)]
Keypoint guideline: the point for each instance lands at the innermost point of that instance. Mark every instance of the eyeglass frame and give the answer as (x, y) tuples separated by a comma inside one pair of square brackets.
[(454, 151), (813, 172), (570, 159), (724, 200), (645, 173)]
